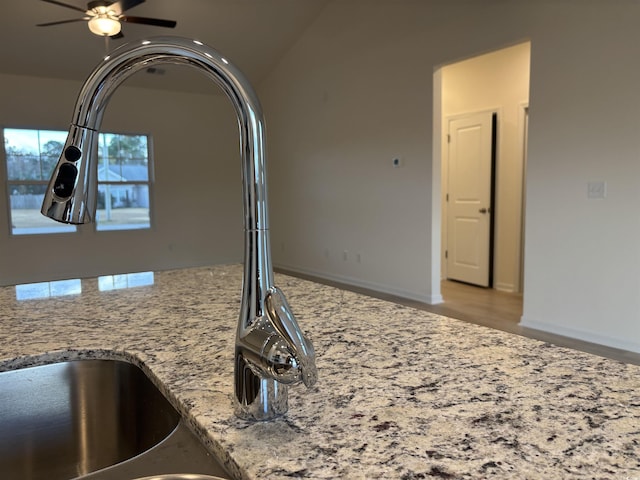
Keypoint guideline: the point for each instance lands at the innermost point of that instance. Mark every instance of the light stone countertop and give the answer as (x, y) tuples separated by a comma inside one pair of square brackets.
[(402, 394)]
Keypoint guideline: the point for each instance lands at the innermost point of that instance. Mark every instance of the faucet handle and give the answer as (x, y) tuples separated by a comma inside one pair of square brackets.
[(284, 322)]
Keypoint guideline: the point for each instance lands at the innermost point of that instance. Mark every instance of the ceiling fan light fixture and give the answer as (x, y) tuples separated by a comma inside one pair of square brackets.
[(105, 17), (104, 25)]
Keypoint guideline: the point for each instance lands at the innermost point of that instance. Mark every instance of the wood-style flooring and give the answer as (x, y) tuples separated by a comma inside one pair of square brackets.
[(487, 307)]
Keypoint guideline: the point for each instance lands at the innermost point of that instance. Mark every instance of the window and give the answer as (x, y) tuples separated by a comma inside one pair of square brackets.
[(123, 180)]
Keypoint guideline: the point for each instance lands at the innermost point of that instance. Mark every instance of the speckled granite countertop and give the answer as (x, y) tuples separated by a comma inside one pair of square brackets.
[(403, 394)]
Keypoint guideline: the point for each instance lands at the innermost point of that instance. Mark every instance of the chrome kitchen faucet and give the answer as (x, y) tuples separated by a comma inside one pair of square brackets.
[(271, 351)]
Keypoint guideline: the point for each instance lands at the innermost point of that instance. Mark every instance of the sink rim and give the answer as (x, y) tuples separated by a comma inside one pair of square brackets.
[(180, 476)]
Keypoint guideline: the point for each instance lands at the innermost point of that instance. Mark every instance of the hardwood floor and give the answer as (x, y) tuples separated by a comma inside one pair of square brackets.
[(479, 305), (488, 307)]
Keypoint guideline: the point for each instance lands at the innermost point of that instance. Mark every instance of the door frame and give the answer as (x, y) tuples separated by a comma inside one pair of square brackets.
[(523, 131), (444, 182)]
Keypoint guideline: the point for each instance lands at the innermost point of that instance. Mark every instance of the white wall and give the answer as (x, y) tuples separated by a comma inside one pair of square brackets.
[(582, 272), (196, 198), (499, 82), (356, 90)]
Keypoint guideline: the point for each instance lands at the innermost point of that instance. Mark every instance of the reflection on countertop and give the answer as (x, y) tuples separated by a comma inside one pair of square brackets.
[(60, 288), (126, 280), (402, 393), (57, 288)]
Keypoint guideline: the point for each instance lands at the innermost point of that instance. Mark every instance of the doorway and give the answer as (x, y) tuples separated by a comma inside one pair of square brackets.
[(495, 84)]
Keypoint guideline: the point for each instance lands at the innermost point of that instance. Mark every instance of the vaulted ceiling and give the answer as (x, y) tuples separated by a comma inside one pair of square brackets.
[(254, 34)]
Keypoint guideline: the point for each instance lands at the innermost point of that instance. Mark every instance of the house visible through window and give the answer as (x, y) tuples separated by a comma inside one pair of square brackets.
[(123, 180)]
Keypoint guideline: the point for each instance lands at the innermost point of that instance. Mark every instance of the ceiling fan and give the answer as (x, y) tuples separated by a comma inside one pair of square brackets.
[(104, 16)]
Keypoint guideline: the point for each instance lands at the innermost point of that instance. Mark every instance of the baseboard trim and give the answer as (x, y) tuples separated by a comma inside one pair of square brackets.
[(579, 334), (372, 286), (505, 287)]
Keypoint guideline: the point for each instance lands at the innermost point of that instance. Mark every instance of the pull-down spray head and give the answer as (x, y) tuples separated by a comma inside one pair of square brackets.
[(71, 194)]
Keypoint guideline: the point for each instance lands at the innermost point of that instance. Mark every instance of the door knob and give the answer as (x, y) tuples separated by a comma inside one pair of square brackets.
[(484, 210)]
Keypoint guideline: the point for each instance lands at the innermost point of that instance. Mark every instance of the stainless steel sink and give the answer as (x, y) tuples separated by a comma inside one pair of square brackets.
[(95, 419)]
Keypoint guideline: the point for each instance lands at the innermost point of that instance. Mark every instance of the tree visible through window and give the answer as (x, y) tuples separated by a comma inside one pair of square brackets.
[(123, 180)]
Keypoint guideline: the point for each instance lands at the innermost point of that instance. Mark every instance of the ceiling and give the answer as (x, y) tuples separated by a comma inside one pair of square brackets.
[(254, 34)]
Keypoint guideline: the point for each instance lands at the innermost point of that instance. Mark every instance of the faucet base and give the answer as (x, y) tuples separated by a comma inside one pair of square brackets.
[(256, 398)]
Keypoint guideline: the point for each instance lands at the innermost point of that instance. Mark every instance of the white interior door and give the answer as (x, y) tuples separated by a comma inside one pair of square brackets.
[(469, 199)]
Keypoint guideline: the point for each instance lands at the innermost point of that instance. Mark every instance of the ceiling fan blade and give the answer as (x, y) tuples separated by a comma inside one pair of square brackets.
[(127, 4), (62, 4), (117, 36), (156, 22), (62, 21)]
